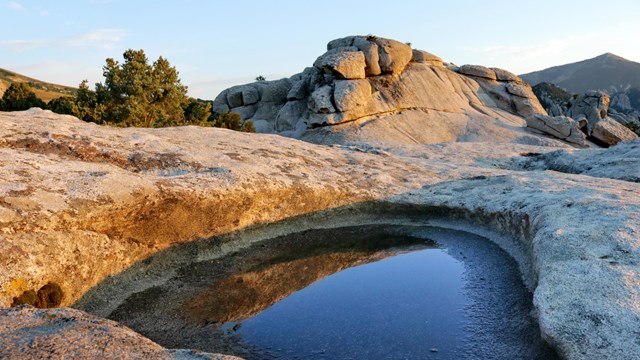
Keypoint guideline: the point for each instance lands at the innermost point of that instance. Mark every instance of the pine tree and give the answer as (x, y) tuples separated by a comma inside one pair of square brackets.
[(136, 93), (19, 96)]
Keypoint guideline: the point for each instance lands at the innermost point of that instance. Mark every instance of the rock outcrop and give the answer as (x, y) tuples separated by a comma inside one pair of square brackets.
[(562, 127), (30, 333), (81, 202), (366, 88), (605, 127)]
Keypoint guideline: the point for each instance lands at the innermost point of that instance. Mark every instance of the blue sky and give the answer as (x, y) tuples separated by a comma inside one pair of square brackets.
[(216, 44)]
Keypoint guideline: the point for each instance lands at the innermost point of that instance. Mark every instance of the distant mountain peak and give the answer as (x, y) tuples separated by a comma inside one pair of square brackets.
[(606, 72), (611, 56)]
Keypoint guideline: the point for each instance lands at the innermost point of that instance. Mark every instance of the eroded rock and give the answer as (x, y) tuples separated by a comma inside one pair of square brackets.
[(562, 127), (351, 94), (65, 184), (347, 63), (393, 55), (321, 101), (611, 132), (30, 333), (478, 71), (422, 56)]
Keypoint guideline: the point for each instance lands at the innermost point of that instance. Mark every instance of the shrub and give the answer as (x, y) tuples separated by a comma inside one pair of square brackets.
[(232, 121), (20, 97)]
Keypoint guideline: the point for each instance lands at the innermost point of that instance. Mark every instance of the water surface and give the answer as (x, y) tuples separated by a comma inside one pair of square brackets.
[(374, 292)]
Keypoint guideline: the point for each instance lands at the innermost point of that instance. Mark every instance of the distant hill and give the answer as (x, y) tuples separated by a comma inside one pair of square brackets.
[(607, 72), (45, 91)]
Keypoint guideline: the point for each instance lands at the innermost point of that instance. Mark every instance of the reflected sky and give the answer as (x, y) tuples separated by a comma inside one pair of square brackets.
[(402, 307)]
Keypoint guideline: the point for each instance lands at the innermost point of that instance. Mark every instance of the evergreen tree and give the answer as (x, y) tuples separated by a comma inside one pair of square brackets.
[(197, 112), (136, 93), (19, 96), (64, 105)]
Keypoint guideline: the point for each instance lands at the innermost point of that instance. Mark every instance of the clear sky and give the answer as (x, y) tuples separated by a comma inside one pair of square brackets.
[(216, 44)]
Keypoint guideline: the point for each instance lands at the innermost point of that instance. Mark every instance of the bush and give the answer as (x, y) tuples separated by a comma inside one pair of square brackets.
[(232, 121), (64, 105), (197, 112), (19, 97)]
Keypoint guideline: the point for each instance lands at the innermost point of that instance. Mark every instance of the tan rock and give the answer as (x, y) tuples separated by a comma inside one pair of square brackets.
[(611, 132), (519, 89), (394, 55), (371, 55), (30, 333), (344, 62), (422, 56), (504, 75), (562, 127), (478, 71), (351, 94)]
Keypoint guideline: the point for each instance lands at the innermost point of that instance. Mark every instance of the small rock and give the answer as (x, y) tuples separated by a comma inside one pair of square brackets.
[(478, 71)]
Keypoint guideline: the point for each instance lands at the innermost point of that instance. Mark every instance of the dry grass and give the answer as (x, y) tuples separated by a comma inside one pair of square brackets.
[(45, 91)]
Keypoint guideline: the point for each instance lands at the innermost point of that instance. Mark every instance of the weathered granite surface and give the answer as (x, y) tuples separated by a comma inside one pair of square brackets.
[(80, 202)]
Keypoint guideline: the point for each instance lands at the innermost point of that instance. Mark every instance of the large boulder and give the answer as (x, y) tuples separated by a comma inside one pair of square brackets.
[(504, 75), (351, 94), (422, 56), (394, 55), (371, 55), (346, 63), (611, 132), (562, 127), (321, 102), (478, 71), (593, 105)]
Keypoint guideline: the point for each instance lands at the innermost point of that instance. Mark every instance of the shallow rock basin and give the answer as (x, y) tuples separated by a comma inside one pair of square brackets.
[(378, 292)]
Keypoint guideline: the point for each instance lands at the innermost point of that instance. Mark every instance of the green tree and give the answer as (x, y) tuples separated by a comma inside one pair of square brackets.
[(136, 93), (197, 112), (19, 96), (64, 105)]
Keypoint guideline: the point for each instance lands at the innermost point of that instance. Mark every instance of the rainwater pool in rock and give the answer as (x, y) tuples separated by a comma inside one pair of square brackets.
[(375, 292)]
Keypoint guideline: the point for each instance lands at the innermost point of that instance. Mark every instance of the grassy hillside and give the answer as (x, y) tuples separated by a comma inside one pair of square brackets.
[(43, 90)]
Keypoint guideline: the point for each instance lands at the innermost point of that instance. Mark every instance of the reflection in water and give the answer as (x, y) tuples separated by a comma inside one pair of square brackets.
[(361, 292), (405, 307), (242, 295)]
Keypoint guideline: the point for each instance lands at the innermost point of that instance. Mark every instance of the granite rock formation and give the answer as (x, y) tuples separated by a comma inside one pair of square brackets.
[(81, 202), (30, 333), (366, 88), (593, 108)]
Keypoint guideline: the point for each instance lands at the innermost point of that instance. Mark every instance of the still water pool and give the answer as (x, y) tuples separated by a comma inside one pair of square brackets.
[(369, 292), (408, 306)]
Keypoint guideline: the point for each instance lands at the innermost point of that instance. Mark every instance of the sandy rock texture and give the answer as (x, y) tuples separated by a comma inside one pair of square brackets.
[(72, 334), (366, 88), (80, 203)]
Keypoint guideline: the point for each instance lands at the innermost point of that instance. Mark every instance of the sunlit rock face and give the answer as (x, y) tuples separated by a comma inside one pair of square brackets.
[(375, 89), (30, 333)]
